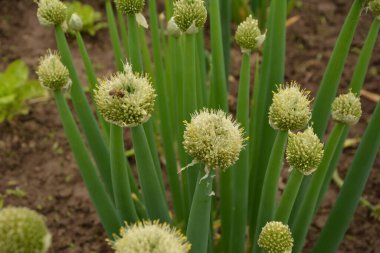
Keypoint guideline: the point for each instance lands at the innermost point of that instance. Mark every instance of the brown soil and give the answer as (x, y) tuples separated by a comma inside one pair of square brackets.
[(35, 156)]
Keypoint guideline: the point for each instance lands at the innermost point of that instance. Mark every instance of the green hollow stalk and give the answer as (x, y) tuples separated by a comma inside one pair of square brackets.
[(167, 138), (218, 99), (136, 61), (306, 211), (201, 70), (198, 226), (330, 83), (154, 197), (123, 32), (189, 100), (241, 170), (101, 200), (115, 40), (145, 52), (91, 78), (356, 84), (289, 196), (218, 89), (225, 12), (331, 78), (260, 147), (120, 181), (267, 206), (87, 120), (353, 187)]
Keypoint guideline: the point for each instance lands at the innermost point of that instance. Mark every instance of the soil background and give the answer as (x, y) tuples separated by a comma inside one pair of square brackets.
[(35, 158)]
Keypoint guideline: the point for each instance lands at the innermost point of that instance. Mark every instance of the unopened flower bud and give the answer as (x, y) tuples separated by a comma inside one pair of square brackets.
[(374, 7), (125, 99), (173, 29), (290, 109), (190, 15), (52, 74), (248, 35), (276, 237), (75, 22), (213, 138), (346, 109), (150, 237), (23, 230), (304, 151), (51, 12), (130, 6)]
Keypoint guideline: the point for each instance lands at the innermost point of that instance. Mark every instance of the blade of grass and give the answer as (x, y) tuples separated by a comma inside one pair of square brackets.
[(241, 169), (270, 187), (102, 202), (353, 187), (86, 118), (120, 181)]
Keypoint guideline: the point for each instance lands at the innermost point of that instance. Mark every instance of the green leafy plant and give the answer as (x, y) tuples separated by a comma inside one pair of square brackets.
[(91, 19), (202, 149), (16, 89)]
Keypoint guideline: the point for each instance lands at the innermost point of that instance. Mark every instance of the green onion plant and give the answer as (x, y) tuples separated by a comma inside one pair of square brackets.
[(207, 180)]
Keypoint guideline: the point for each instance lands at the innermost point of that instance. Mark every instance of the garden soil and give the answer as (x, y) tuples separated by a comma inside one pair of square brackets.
[(37, 168)]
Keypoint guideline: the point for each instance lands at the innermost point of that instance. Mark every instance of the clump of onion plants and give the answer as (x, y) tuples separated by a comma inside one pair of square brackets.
[(202, 172)]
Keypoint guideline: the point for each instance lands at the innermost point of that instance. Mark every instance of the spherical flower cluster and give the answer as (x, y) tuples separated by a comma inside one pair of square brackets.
[(190, 15), (290, 109), (150, 237), (374, 7), (248, 35), (304, 151), (23, 231), (75, 23), (52, 74), (276, 237), (51, 12), (213, 138), (126, 99), (130, 6), (346, 109)]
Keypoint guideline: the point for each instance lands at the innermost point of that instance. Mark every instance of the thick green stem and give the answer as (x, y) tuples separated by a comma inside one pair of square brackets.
[(289, 197), (91, 78), (153, 195), (225, 12), (90, 128), (123, 31), (353, 187), (241, 170), (167, 138), (356, 85), (218, 91), (189, 100), (115, 40), (101, 200), (199, 219), (261, 145), (306, 212), (136, 61), (120, 180), (270, 187)]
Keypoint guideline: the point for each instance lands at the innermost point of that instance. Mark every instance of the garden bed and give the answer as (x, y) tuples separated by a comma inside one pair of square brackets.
[(38, 170)]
